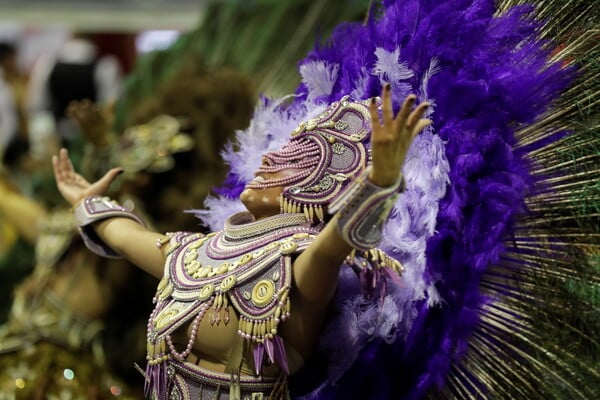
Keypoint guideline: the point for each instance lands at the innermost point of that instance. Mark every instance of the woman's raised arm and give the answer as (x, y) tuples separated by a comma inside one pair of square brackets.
[(315, 271), (123, 235)]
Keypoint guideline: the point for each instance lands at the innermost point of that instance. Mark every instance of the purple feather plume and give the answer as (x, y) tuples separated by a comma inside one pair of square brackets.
[(485, 76)]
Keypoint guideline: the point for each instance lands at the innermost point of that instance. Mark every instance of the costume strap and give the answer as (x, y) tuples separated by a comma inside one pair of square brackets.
[(362, 210), (93, 209)]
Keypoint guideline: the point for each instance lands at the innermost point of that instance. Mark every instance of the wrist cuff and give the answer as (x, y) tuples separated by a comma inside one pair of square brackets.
[(363, 209), (93, 209)]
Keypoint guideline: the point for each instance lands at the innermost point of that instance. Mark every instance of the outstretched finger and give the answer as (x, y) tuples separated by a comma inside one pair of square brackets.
[(375, 122), (69, 163), (104, 182), (61, 165), (387, 111), (421, 124), (56, 167), (403, 114), (416, 116), (65, 165)]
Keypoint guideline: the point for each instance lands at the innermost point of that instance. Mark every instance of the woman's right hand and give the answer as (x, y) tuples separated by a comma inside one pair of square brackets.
[(72, 186)]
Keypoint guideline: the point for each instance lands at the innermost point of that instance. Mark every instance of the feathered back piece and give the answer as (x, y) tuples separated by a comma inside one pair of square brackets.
[(498, 222), (539, 338)]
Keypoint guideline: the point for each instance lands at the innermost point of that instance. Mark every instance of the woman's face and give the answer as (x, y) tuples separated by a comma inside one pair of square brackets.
[(278, 170), (262, 195)]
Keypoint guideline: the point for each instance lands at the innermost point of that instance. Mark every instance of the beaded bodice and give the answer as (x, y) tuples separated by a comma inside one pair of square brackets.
[(246, 265)]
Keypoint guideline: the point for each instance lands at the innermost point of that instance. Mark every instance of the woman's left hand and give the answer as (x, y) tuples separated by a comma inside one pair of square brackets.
[(391, 139), (74, 187)]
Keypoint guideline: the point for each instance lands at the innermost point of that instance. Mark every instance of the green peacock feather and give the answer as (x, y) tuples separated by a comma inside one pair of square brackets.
[(540, 337)]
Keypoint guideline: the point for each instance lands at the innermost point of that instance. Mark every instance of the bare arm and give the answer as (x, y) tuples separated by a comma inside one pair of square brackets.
[(315, 271), (127, 237), (134, 242), (22, 213)]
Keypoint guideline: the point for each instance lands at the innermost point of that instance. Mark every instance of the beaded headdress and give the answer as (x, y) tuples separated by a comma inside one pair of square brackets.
[(328, 151)]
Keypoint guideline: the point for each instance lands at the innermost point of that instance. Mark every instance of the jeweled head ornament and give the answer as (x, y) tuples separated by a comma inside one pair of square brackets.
[(149, 147), (328, 151)]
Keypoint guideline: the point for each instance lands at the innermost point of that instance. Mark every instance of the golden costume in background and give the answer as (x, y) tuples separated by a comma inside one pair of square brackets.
[(47, 349)]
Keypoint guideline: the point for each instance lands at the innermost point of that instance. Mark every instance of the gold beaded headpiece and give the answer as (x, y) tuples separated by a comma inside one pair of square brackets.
[(328, 151)]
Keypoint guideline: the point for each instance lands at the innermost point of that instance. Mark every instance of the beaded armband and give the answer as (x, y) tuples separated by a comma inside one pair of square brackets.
[(363, 209), (94, 209)]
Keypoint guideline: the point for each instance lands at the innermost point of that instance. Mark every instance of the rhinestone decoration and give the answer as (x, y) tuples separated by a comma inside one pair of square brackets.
[(170, 371), (341, 125), (326, 182), (338, 148)]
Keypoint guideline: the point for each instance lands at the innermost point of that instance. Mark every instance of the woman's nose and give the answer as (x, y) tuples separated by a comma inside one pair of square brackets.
[(266, 161)]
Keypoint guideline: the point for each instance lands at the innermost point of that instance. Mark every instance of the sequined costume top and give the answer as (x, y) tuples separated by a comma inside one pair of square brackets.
[(248, 266)]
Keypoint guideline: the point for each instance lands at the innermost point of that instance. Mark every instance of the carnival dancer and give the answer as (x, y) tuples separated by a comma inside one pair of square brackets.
[(257, 291), (494, 229)]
